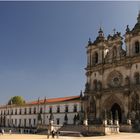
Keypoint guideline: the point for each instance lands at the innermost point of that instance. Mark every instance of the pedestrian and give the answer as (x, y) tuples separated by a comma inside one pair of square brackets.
[(10, 131), (48, 135), (2, 131), (57, 134), (53, 134)]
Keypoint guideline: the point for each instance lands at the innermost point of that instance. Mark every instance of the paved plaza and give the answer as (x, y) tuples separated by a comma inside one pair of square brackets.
[(121, 136)]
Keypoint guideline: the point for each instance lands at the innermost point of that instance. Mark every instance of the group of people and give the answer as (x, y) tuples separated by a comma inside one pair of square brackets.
[(3, 132), (53, 134)]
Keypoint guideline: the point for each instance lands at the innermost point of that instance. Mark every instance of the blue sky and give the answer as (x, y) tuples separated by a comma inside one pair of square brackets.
[(42, 44)]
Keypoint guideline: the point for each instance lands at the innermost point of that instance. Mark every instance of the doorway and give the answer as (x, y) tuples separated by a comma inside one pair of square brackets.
[(116, 108)]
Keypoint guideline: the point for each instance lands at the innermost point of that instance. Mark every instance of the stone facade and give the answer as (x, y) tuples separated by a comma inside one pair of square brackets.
[(113, 77), (112, 91)]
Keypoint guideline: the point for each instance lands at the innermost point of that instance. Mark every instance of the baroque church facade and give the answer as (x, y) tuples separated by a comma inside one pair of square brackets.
[(113, 76), (112, 91)]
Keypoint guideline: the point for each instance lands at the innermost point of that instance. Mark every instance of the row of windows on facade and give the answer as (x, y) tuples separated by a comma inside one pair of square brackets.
[(14, 122), (31, 122), (136, 51), (11, 112)]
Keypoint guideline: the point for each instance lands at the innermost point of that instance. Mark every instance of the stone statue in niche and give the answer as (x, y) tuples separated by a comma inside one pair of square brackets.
[(99, 86), (87, 86), (127, 81), (92, 106), (136, 76)]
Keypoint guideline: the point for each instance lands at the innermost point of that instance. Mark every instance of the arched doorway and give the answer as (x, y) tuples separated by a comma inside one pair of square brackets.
[(116, 108)]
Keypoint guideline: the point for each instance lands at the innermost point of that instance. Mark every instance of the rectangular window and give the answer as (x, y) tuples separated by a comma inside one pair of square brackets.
[(29, 122), (34, 121), (15, 111), (19, 122), (75, 108), (34, 110), (25, 111), (20, 111), (11, 112), (58, 121), (41, 110), (15, 122), (25, 122), (50, 111), (30, 111), (66, 108), (12, 121), (8, 122), (58, 109)]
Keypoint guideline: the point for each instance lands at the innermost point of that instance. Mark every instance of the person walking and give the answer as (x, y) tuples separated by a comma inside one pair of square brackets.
[(53, 134), (10, 131), (57, 134), (2, 131), (48, 135)]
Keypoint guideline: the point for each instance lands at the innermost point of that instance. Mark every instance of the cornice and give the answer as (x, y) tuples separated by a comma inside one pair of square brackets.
[(126, 62)]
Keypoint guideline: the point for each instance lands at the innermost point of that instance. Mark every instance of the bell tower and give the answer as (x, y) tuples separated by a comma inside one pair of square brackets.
[(95, 59), (132, 39)]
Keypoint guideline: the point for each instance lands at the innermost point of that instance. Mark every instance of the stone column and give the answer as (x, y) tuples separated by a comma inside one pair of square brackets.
[(97, 108)]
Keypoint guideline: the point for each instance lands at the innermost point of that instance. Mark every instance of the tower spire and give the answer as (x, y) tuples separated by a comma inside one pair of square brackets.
[(101, 34), (138, 18), (114, 31)]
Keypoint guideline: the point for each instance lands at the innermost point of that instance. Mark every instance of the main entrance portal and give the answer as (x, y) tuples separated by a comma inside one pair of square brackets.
[(116, 108)]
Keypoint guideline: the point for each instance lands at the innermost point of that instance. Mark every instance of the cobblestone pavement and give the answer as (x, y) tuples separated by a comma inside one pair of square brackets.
[(121, 136)]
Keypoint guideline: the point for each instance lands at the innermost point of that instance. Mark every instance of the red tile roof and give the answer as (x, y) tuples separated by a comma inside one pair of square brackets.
[(54, 100)]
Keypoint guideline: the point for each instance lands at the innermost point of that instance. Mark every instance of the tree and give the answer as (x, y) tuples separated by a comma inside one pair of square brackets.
[(17, 100)]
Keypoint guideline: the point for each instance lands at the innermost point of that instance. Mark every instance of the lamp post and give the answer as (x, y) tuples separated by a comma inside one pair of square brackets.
[(44, 111), (10, 117)]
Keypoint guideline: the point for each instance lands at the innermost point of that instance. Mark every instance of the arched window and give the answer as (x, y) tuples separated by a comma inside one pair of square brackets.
[(136, 78), (114, 52), (137, 47), (96, 57), (95, 85)]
